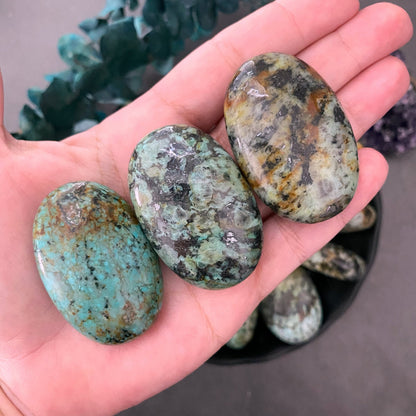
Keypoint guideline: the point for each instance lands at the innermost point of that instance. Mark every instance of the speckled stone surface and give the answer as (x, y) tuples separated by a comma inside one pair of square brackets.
[(195, 207), (363, 220), (293, 311), (291, 138), (95, 262), (336, 261), (245, 334)]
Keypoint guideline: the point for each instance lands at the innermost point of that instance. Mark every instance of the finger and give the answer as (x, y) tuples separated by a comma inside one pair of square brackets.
[(371, 94), (365, 99), (369, 37), (286, 26), (194, 90)]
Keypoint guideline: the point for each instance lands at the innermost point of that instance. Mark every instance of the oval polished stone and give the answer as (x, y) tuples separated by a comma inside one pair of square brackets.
[(95, 262), (293, 311), (334, 260), (245, 334), (291, 138), (195, 207)]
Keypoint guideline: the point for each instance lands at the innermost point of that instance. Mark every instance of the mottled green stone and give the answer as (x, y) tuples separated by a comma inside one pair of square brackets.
[(195, 207), (293, 311), (338, 262), (95, 262), (363, 220), (291, 138), (245, 334)]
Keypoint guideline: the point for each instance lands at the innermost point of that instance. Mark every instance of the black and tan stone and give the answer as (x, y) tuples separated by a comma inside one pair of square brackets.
[(195, 207), (291, 138)]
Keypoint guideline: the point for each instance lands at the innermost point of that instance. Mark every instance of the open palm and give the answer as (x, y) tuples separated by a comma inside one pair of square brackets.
[(48, 368)]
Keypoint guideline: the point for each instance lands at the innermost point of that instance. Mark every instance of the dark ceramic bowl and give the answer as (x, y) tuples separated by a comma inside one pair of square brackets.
[(336, 296)]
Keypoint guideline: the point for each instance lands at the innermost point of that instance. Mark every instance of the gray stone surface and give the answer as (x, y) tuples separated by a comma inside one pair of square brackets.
[(195, 207), (365, 364), (291, 138)]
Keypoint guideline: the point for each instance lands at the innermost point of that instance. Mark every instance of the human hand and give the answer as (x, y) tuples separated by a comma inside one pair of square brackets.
[(47, 367)]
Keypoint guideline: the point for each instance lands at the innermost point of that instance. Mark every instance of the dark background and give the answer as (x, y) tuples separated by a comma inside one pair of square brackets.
[(365, 364)]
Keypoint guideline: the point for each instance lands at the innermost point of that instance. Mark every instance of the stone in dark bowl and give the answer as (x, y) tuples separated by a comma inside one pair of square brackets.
[(336, 297)]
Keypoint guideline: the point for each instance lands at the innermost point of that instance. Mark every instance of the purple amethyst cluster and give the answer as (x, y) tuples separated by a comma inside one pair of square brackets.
[(395, 133)]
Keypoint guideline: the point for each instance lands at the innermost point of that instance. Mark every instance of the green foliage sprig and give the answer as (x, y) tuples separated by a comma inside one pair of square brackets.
[(107, 69)]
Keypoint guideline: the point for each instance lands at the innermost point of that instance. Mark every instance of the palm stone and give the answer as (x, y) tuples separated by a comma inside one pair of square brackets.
[(95, 262), (195, 207), (291, 138)]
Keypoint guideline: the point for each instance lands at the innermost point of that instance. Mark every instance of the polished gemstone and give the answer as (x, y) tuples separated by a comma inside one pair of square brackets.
[(245, 334), (291, 138), (95, 262), (363, 220), (195, 207), (336, 261), (293, 311)]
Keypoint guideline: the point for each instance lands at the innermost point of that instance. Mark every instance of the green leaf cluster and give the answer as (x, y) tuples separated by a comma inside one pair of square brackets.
[(106, 69)]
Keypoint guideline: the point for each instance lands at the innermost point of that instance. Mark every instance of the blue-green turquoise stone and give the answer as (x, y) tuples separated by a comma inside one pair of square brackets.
[(291, 138), (95, 262), (195, 207)]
